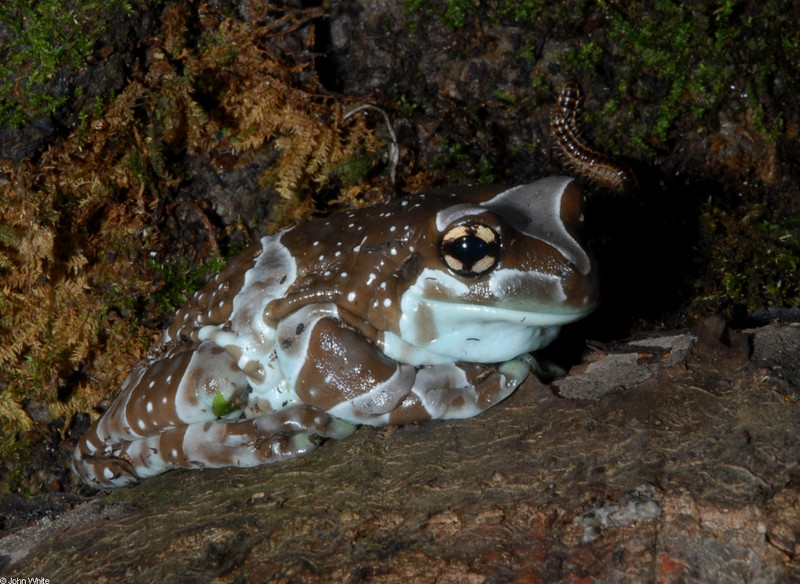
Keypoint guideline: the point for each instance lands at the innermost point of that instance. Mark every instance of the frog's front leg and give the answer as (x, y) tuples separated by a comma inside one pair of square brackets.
[(180, 409), (337, 369), (271, 437)]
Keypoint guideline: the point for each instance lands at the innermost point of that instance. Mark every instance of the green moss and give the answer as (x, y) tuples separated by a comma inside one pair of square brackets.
[(354, 169), (486, 172), (583, 57), (505, 97), (42, 40), (753, 261), (452, 153), (698, 53), (453, 16), (37, 369), (455, 13), (180, 281), (525, 10), (15, 454), (672, 64), (407, 107)]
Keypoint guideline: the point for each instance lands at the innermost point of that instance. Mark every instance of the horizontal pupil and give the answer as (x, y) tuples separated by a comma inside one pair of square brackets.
[(469, 249)]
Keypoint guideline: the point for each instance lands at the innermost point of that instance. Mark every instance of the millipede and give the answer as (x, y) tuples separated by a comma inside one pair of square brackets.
[(587, 162)]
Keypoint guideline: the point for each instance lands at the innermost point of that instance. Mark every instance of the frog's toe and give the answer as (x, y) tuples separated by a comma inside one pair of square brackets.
[(296, 437), (277, 436), (275, 447), (304, 442), (516, 370), (336, 428), (303, 419), (105, 472)]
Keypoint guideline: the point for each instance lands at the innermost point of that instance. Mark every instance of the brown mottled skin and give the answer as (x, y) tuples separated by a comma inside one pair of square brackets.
[(420, 308)]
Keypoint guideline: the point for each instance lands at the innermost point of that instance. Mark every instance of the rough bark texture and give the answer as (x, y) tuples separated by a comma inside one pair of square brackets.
[(689, 475)]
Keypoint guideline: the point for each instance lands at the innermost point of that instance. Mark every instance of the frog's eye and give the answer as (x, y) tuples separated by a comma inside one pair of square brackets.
[(471, 249)]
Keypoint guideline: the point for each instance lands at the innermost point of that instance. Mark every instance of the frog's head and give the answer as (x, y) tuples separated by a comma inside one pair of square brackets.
[(500, 276)]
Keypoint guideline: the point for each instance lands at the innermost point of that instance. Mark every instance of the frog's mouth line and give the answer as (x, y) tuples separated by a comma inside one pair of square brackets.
[(455, 313)]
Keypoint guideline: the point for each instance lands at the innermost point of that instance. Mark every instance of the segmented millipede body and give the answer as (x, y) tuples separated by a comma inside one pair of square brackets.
[(585, 161)]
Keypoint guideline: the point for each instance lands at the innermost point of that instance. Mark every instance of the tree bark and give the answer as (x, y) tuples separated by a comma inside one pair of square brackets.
[(688, 473)]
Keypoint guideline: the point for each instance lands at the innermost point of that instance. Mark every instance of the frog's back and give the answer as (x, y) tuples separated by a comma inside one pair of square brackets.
[(213, 304)]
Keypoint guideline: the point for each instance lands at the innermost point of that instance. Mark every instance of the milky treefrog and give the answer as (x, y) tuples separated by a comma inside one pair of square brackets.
[(423, 307)]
